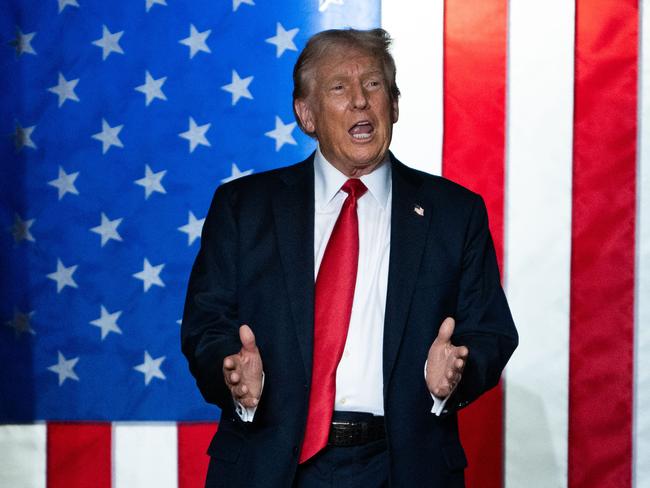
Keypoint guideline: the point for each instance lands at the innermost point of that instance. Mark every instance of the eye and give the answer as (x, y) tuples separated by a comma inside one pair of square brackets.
[(337, 87), (374, 83)]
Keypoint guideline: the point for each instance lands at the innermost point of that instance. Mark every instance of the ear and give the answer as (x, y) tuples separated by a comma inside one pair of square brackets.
[(395, 111), (305, 114)]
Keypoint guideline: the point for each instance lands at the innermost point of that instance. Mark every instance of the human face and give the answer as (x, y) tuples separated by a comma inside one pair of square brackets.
[(349, 110)]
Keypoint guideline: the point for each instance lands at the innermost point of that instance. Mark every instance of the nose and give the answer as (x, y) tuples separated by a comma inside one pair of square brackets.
[(359, 97)]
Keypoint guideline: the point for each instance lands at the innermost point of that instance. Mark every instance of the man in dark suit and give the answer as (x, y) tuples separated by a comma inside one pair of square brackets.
[(369, 291)]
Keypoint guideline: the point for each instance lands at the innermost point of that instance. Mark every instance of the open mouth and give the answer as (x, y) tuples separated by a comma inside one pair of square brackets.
[(362, 130)]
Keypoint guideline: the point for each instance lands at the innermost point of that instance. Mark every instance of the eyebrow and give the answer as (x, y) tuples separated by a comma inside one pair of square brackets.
[(343, 76)]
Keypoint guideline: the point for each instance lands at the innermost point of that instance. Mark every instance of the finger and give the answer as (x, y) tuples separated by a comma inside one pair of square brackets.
[(441, 391), (242, 392), (249, 402), (247, 338), (445, 331), (459, 364), (229, 363), (462, 352), (234, 378)]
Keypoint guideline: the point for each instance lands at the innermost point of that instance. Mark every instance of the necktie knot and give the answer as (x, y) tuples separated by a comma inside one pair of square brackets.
[(355, 188)]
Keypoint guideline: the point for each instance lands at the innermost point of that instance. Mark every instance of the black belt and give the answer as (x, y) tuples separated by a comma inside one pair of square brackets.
[(355, 429)]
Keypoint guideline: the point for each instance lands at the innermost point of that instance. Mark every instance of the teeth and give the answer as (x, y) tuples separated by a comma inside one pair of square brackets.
[(361, 136)]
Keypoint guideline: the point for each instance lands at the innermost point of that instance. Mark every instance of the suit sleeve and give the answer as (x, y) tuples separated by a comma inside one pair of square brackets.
[(210, 329), (483, 320)]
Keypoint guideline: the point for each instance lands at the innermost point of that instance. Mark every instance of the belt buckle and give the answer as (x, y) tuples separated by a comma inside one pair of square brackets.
[(348, 433)]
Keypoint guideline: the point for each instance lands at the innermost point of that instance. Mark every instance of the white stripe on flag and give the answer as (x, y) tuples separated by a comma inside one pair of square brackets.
[(417, 30), (538, 240), (358, 15), (22, 463), (642, 298), (145, 455)]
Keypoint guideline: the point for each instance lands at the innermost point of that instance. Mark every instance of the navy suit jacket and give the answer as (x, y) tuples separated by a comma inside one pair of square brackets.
[(256, 267)]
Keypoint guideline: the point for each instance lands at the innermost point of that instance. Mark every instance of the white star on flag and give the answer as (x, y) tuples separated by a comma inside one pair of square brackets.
[(108, 229), (235, 173), (323, 4), (237, 3), (23, 137), (283, 39), (65, 183), (152, 88), (21, 323), (151, 368), (65, 368), (196, 41), (192, 228), (281, 133), (109, 136), (151, 3), (65, 89), (23, 43), (64, 3), (196, 135), (107, 322), (150, 275), (63, 276), (20, 229), (152, 182), (110, 43), (238, 87)]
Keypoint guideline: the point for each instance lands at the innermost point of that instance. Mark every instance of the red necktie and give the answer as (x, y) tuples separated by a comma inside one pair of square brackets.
[(333, 298)]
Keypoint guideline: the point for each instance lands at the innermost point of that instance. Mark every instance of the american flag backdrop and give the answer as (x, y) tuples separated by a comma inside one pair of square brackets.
[(118, 120)]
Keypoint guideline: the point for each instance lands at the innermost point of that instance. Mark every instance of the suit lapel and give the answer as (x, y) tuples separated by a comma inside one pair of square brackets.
[(293, 209), (410, 220)]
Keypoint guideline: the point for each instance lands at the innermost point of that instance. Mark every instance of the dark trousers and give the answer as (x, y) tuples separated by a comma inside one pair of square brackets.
[(364, 466)]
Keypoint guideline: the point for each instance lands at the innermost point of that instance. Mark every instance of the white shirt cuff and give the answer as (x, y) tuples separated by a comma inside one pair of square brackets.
[(438, 403), (246, 414)]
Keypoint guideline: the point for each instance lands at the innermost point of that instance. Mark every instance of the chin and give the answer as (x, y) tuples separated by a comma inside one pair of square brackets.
[(368, 158)]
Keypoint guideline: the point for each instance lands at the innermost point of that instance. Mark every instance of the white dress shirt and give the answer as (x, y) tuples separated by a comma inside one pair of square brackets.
[(359, 377)]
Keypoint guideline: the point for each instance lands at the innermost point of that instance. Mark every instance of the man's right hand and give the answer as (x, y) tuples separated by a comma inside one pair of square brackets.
[(242, 372)]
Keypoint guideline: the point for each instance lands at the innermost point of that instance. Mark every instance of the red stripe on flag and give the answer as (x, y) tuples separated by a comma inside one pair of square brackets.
[(602, 261), (78, 455), (193, 442), (474, 101), (475, 45)]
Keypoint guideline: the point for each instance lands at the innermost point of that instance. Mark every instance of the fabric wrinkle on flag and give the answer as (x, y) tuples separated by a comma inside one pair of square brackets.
[(119, 120)]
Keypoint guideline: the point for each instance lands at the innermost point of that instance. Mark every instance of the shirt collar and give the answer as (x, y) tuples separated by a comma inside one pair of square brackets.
[(328, 181)]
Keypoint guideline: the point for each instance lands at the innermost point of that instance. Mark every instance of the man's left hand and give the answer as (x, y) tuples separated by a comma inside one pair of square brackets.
[(445, 362)]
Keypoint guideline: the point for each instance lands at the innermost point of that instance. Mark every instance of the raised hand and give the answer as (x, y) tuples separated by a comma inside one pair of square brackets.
[(445, 362), (242, 372)]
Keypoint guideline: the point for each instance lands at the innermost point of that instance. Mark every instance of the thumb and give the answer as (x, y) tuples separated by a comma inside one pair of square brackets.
[(446, 330), (247, 338)]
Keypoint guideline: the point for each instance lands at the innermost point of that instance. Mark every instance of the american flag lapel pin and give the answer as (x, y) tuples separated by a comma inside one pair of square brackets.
[(419, 210)]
